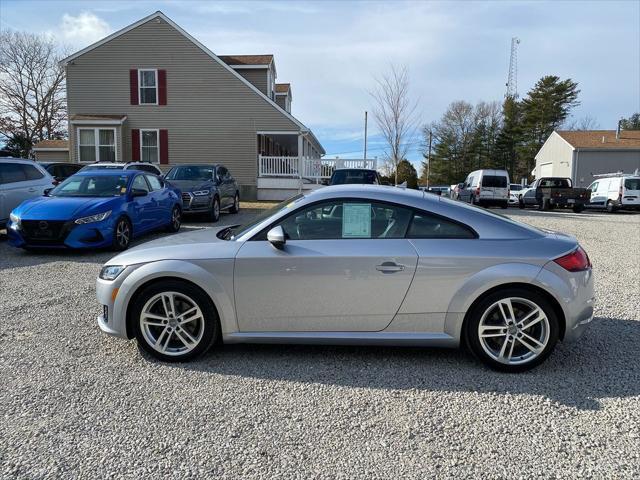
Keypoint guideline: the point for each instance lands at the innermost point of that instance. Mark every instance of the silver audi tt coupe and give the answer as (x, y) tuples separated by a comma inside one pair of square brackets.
[(355, 264)]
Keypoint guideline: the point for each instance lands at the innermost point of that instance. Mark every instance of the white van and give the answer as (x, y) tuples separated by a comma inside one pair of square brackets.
[(615, 191), (486, 187)]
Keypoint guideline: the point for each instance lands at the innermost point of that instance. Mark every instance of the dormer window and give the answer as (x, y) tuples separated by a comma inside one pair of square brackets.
[(148, 85)]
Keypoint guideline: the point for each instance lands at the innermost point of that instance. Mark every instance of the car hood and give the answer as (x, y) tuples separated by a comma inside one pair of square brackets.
[(195, 245), (63, 208), (191, 185)]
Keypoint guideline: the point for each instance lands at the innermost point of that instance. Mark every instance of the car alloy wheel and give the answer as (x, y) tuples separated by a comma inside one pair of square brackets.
[(215, 210), (172, 323), (514, 331), (122, 234), (236, 204), (176, 219)]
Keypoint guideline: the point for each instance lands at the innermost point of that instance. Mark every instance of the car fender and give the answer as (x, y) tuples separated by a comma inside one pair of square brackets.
[(220, 294), (482, 282)]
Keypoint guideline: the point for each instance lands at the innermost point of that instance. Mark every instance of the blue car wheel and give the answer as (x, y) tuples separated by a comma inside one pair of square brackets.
[(122, 234), (176, 220)]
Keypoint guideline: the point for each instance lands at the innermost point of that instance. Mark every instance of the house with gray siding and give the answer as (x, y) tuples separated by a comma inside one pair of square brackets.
[(581, 154), (151, 92)]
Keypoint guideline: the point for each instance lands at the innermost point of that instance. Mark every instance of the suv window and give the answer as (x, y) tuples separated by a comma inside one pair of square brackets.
[(154, 182), (11, 172), (346, 219), (139, 183), (425, 225), (632, 184), (223, 173)]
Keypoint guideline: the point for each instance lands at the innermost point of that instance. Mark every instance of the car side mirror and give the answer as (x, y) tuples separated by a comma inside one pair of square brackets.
[(47, 191), (276, 237), (137, 192)]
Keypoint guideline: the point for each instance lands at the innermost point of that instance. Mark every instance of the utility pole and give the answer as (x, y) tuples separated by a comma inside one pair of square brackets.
[(365, 134), (429, 157), (512, 79)]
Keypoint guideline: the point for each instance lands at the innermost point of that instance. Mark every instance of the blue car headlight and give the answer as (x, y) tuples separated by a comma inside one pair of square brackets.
[(201, 193), (93, 218), (111, 272), (15, 220)]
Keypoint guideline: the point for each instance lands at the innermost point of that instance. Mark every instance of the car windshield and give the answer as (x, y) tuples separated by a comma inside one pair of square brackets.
[(232, 233), (632, 184), (340, 177), (92, 186), (197, 173)]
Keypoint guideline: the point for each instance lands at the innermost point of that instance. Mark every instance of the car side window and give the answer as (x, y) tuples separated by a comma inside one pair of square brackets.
[(223, 173), (426, 225), (31, 172), (139, 183), (347, 219), (154, 182), (593, 187), (11, 173)]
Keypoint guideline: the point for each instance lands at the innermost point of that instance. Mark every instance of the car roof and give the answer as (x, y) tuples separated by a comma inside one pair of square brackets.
[(108, 172), (19, 160), (198, 165)]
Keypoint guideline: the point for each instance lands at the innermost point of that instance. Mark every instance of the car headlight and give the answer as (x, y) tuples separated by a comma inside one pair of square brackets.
[(94, 218), (14, 218), (200, 193), (111, 272)]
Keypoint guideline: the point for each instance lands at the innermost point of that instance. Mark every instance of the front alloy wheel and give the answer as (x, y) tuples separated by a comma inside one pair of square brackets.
[(513, 331), (215, 210), (176, 220), (122, 234), (174, 321)]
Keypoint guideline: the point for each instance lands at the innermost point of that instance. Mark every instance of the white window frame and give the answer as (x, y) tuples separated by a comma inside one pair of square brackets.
[(140, 86), (96, 136), (157, 130)]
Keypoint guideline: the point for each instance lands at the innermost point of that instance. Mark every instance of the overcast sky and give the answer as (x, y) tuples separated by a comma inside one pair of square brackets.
[(330, 52)]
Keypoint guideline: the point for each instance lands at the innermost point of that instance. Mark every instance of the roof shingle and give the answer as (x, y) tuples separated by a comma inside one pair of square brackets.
[(283, 87), (246, 59), (45, 144), (602, 139)]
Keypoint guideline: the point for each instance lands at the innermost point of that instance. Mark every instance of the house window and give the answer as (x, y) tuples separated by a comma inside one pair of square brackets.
[(97, 144), (148, 84), (149, 146)]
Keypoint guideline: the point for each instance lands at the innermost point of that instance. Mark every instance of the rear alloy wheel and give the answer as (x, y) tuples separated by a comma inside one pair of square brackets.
[(174, 321), (176, 220), (235, 208), (215, 209), (512, 330), (122, 234)]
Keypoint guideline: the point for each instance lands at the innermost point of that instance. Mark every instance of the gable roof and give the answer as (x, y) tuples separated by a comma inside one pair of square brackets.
[(247, 59), (593, 139), (52, 145), (208, 52)]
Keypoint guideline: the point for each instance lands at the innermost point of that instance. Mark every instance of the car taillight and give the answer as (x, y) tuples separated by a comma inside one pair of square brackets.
[(576, 261)]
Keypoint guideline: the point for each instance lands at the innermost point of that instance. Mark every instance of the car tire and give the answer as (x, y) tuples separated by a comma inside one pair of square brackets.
[(122, 234), (235, 208), (578, 208), (506, 346), (176, 220), (544, 205), (521, 204), (163, 333), (214, 214), (504, 205), (611, 208)]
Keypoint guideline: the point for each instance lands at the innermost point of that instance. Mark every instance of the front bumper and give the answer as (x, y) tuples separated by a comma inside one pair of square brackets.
[(193, 203), (112, 320), (88, 235)]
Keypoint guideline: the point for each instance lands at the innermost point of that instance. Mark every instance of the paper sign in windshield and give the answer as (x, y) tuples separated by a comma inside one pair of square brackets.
[(356, 220)]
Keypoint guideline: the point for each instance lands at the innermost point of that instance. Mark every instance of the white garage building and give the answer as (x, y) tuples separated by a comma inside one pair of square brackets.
[(581, 154)]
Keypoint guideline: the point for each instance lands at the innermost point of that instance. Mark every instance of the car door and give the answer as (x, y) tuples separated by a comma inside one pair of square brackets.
[(593, 199), (345, 266), (224, 186), (529, 196), (142, 207), (160, 200)]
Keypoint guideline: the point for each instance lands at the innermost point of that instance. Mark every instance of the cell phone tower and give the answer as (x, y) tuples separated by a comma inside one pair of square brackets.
[(512, 81)]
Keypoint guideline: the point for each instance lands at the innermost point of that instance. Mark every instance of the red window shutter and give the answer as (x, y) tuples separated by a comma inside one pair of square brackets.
[(133, 86), (164, 147), (135, 145), (162, 87)]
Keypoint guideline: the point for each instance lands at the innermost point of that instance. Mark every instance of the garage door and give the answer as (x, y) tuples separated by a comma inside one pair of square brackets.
[(546, 170)]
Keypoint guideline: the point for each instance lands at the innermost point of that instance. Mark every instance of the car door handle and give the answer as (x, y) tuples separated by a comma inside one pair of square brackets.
[(31, 190), (389, 267)]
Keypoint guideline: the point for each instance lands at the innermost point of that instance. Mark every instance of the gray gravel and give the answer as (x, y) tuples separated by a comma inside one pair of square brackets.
[(78, 404)]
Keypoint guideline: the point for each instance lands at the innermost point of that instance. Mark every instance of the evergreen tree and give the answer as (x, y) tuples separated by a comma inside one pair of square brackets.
[(631, 123)]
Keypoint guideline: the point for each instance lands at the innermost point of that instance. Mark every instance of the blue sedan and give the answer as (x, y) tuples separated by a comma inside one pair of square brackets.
[(96, 209)]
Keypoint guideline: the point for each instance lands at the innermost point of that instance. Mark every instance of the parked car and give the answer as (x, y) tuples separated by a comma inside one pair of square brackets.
[(550, 192), (616, 191), (439, 190), (94, 209), (514, 193), (312, 269), (455, 191), (343, 176), (61, 170), (142, 166), (206, 188), (20, 179), (485, 188)]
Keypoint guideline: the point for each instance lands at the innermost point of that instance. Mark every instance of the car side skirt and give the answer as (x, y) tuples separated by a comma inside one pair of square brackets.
[(345, 338)]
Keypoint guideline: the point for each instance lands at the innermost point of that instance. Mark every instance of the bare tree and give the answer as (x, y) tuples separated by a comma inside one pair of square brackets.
[(32, 90), (585, 123), (395, 114)]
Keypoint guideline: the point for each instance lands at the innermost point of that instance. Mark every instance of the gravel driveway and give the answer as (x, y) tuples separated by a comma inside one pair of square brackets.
[(78, 404)]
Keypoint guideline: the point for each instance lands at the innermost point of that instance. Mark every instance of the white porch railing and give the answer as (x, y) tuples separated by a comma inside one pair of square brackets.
[(313, 168)]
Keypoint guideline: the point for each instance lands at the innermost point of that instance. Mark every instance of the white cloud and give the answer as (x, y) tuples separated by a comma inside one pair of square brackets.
[(84, 28)]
